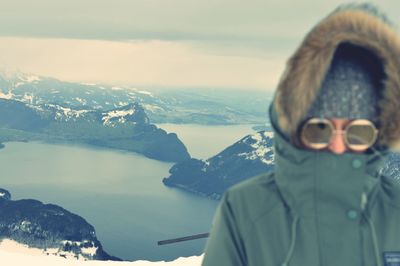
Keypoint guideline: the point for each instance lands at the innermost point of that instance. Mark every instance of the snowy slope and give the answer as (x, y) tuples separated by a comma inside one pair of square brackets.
[(15, 254)]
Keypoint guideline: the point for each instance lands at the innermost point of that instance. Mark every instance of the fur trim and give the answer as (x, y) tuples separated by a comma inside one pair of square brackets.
[(306, 69)]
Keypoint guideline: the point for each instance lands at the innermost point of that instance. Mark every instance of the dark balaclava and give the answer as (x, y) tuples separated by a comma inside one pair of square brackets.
[(351, 86)]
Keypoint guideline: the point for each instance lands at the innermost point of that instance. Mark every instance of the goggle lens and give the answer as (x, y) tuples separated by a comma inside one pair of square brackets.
[(360, 136), (318, 133)]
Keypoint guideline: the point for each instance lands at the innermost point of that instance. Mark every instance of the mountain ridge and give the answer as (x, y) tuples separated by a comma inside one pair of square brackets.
[(124, 128), (162, 106)]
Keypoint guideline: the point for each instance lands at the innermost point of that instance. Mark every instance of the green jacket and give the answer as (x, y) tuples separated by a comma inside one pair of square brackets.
[(316, 208)]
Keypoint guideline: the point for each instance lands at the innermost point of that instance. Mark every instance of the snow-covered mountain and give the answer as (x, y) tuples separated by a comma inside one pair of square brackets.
[(171, 106), (49, 228), (250, 156), (37, 90)]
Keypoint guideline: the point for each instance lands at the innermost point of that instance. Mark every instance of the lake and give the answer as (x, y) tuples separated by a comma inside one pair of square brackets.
[(120, 193)]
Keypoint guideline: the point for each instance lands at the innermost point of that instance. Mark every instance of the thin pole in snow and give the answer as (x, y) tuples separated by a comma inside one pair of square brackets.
[(181, 239)]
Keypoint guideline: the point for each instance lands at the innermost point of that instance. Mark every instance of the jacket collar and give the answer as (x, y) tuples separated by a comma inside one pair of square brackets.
[(309, 178)]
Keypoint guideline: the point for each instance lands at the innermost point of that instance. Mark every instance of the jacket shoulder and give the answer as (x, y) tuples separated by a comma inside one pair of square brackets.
[(254, 197), (255, 181), (238, 210)]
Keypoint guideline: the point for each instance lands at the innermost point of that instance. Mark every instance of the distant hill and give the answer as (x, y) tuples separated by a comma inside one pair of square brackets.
[(248, 157), (125, 128)]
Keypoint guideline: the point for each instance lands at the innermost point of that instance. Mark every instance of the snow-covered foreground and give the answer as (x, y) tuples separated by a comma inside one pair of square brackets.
[(15, 254)]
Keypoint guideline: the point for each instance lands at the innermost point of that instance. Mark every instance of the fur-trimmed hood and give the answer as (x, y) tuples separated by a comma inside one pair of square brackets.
[(306, 69)]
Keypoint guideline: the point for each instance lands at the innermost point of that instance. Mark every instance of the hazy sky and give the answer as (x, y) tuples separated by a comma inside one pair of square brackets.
[(162, 43)]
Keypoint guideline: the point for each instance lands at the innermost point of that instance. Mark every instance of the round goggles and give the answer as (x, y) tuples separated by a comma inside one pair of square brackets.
[(359, 134)]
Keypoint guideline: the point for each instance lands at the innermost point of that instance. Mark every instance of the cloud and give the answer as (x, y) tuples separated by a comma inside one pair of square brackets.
[(235, 20), (139, 63)]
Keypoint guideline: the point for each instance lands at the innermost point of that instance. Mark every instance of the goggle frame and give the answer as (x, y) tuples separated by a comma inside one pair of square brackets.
[(344, 132)]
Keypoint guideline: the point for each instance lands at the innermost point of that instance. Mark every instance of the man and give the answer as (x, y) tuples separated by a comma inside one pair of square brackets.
[(335, 114)]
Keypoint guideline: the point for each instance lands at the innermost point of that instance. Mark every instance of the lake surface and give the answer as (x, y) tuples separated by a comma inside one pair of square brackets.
[(119, 193), (203, 142)]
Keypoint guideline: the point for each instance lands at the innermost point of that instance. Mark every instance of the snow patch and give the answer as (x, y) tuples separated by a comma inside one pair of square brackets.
[(123, 103), (268, 134), (91, 251), (69, 242), (36, 107), (7, 96), (67, 113), (80, 100), (88, 84), (116, 114), (16, 250), (206, 164), (146, 93), (28, 98), (13, 253), (260, 149), (152, 108), (18, 84), (31, 78), (25, 226)]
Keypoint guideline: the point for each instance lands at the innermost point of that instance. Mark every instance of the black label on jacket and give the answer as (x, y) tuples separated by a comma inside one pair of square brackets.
[(391, 258)]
